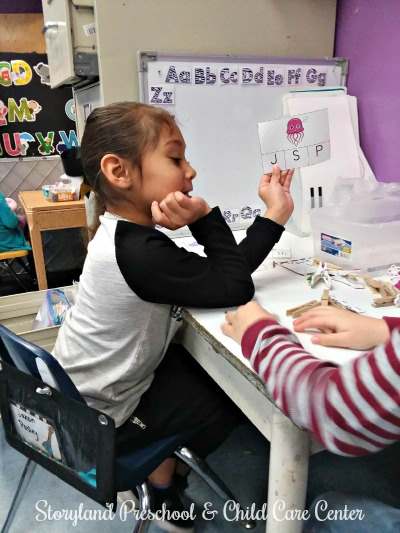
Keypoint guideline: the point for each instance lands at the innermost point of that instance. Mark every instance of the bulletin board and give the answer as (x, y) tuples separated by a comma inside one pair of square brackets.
[(218, 102), (35, 120)]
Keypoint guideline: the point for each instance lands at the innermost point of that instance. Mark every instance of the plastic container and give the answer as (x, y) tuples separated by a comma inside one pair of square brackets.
[(363, 233), (46, 191)]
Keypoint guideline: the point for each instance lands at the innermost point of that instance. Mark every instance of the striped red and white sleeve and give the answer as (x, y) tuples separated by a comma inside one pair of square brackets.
[(352, 409)]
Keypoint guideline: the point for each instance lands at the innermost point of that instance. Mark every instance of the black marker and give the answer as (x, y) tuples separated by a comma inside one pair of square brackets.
[(320, 196)]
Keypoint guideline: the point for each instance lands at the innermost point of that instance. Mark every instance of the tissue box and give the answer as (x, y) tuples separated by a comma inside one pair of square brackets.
[(363, 232), (62, 196), (59, 193)]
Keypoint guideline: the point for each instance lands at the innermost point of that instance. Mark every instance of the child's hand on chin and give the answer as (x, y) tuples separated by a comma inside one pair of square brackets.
[(274, 191), (178, 210)]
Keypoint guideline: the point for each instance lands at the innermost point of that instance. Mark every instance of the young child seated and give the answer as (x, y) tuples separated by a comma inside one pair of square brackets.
[(11, 234), (115, 343), (317, 397), (353, 409)]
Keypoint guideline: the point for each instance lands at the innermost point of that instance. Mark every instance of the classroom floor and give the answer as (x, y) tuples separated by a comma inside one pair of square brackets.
[(241, 462)]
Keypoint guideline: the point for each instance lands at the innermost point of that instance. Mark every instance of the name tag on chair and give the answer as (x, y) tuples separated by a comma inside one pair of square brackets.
[(36, 431)]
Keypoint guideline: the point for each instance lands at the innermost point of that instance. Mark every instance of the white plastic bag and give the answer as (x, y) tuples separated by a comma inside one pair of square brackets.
[(53, 310)]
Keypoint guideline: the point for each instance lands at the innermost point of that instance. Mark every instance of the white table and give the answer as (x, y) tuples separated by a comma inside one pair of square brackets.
[(276, 289)]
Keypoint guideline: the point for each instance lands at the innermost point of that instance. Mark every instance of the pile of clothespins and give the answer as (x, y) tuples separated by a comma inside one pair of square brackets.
[(388, 293)]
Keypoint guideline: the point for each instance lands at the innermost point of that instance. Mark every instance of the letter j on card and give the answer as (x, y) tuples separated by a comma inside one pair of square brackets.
[(296, 141)]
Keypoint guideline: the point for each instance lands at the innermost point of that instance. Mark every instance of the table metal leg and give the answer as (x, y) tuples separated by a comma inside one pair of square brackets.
[(288, 473)]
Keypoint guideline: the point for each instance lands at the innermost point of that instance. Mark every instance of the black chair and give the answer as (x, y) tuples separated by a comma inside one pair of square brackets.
[(9, 258), (34, 386)]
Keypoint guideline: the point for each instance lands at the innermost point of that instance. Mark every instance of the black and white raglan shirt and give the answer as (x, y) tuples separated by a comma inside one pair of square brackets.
[(117, 333)]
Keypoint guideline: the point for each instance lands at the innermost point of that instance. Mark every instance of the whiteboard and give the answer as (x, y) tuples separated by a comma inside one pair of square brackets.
[(218, 102)]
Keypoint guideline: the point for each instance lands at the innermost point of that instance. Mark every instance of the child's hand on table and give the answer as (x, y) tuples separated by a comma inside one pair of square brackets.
[(177, 210), (274, 191), (342, 328), (237, 322)]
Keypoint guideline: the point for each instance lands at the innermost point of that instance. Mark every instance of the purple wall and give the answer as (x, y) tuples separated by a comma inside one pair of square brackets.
[(368, 34), (20, 6)]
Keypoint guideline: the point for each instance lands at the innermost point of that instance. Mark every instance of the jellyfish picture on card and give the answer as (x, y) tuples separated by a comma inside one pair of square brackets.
[(295, 131), (295, 141)]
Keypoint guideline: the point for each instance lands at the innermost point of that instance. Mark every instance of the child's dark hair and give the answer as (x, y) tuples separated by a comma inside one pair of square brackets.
[(126, 129)]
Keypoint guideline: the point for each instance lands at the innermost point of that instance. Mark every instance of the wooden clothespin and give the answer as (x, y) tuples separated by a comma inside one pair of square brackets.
[(325, 298), (295, 312), (385, 301), (330, 266), (387, 292), (387, 289), (372, 283)]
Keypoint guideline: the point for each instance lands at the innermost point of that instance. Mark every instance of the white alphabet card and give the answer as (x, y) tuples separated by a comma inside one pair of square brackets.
[(294, 142)]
